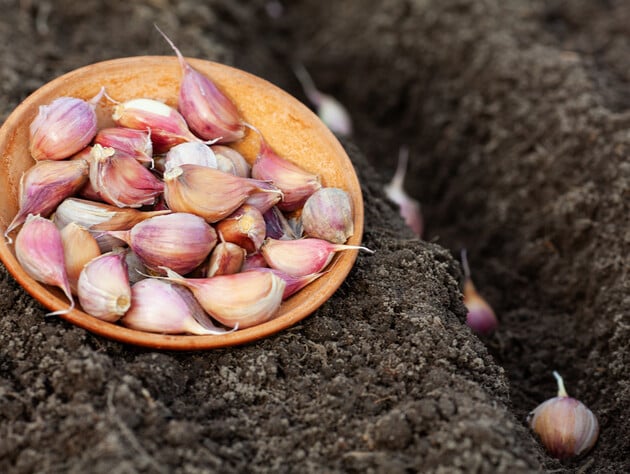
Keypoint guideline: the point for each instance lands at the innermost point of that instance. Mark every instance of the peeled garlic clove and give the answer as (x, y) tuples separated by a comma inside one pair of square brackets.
[(226, 259), (132, 142), (239, 164), (277, 225), (295, 183), (480, 318), (161, 307), (252, 261), (120, 180), (63, 127), (207, 192), (39, 250), (79, 248), (302, 257), (45, 185), (265, 199), (327, 215), (293, 283), (208, 111), (168, 127), (190, 153), (103, 287), (565, 426), (245, 227), (409, 208), (180, 241), (242, 299)]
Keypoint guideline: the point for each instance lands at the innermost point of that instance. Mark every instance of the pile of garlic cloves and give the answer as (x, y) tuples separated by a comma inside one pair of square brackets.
[(160, 225)]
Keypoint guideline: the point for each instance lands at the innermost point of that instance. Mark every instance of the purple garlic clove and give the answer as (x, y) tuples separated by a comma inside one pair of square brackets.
[(328, 215)]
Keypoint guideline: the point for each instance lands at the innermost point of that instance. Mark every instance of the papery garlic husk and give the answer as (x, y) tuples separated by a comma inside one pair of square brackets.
[(207, 192), (245, 227), (295, 183), (226, 259), (277, 225), (79, 248), (132, 142), (240, 165), (265, 199), (481, 317), (45, 185), (98, 217), (181, 241), (302, 257), (166, 308), (242, 299), (63, 127), (208, 111), (328, 215), (409, 208), (252, 261), (293, 283), (565, 426), (39, 250), (103, 287), (120, 180), (168, 127), (190, 153)]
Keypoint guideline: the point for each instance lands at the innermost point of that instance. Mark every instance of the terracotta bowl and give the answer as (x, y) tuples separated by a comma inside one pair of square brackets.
[(289, 127)]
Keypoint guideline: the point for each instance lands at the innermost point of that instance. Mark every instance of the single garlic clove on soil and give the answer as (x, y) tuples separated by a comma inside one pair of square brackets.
[(409, 208), (481, 317), (328, 215)]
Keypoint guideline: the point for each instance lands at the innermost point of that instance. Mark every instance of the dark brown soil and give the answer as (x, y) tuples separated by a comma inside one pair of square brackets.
[(516, 114)]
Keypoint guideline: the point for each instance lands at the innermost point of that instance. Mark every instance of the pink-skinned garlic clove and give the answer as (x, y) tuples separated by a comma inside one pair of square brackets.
[(245, 227), (252, 261), (240, 166), (409, 208), (39, 249), (328, 215), (136, 143), (293, 283), (226, 259), (190, 153), (266, 197), (481, 317)]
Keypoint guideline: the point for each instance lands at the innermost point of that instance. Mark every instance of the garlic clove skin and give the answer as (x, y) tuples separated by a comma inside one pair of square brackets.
[(136, 271), (45, 185), (240, 300), (79, 248), (267, 197), (409, 208), (226, 259), (63, 127), (39, 249), (87, 191), (103, 287), (328, 215), (136, 143), (240, 166), (293, 283), (207, 192), (208, 111), (480, 317), (245, 227), (120, 180), (565, 426), (190, 153), (162, 307), (278, 226), (302, 257)]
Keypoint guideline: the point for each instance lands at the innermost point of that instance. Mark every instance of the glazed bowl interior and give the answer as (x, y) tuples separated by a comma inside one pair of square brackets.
[(287, 125)]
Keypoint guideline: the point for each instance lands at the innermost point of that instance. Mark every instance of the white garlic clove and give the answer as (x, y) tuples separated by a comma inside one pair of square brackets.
[(409, 208), (190, 153), (328, 215), (239, 165)]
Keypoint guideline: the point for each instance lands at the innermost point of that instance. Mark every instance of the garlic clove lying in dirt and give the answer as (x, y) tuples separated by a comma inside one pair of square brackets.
[(565, 426), (209, 112), (207, 192), (240, 300), (327, 215), (103, 287), (79, 248), (190, 153), (409, 208), (136, 143), (302, 257), (245, 227), (480, 318), (239, 164), (226, 259), (45, 185), (39, 250), (120, 180), (166, 308), (180, 240), (63, 127)]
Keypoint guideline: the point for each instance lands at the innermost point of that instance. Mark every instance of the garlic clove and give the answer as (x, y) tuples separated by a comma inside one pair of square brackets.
[(480, 318), (239, 164), (328, 215), (132, 142), (45, 185), (277, 225), (79, 248), (180, 241), (39, 250), (190, 153), (252, 261), (242, 299), (293, 283), (409, 208), (295, 183), (565, 426), (226, 259), (63, 127), (267, 197), (162, 307), (245, 227), (120, 180), (208, 111), (302, 257), (207, 192), (87, 191), (103, 287)]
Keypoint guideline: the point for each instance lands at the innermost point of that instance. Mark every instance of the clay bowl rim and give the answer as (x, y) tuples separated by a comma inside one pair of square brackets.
[(294, 113)]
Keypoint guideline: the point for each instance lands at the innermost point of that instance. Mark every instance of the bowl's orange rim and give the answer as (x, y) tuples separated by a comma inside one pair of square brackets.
[(53, 299)]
